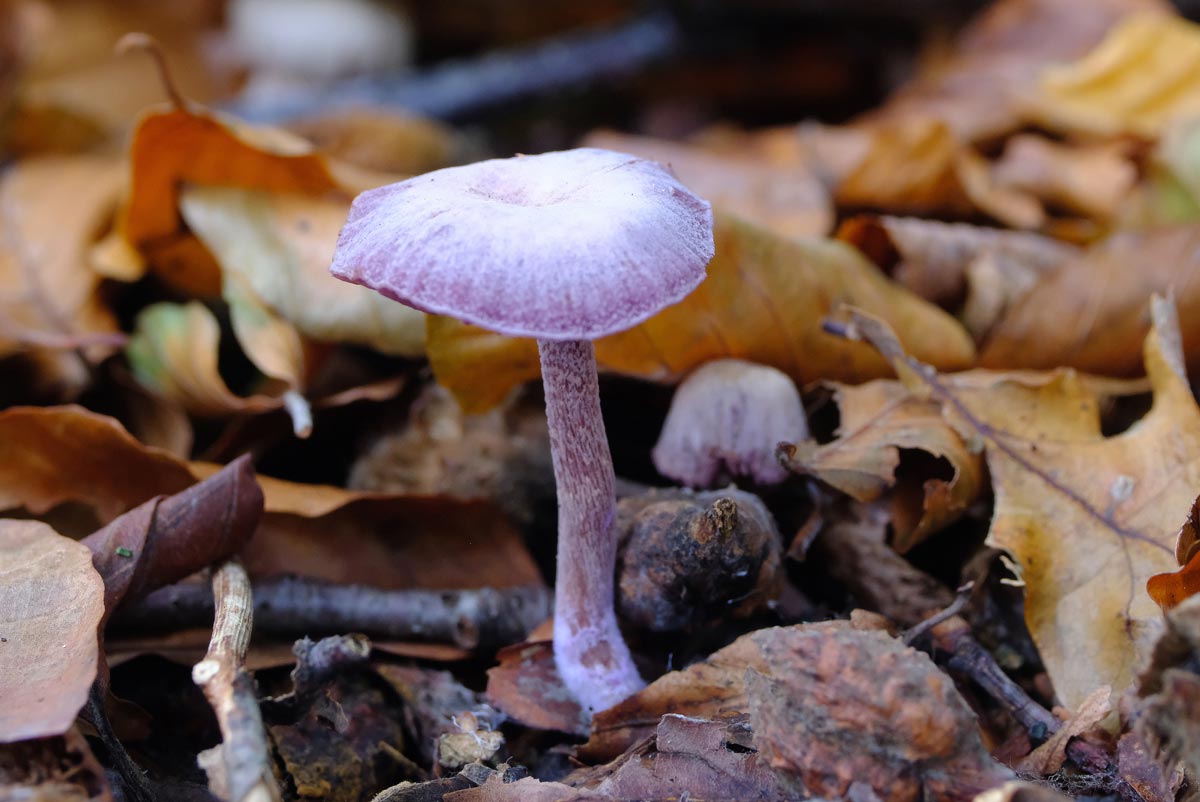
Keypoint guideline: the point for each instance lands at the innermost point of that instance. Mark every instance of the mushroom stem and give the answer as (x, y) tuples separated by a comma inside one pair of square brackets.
[(590, 653)]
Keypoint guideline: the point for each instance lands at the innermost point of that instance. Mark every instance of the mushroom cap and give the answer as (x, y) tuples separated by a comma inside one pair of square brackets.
[(570, 245), (729, 415)]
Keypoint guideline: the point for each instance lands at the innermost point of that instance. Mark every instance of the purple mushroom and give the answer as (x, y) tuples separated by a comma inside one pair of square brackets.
[(564, 247), (726, 420)]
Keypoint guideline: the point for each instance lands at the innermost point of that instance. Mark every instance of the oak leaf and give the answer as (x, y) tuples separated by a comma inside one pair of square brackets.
[(764, 300), (880, 420), (1088, 518)]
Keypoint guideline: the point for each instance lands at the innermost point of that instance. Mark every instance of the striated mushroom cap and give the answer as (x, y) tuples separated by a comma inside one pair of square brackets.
[(570, 245), (728, 416)]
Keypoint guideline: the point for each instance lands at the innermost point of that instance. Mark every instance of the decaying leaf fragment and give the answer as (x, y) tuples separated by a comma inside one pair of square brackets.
[(1089, 518), (763, 300), (51, 601), (1168, 707)]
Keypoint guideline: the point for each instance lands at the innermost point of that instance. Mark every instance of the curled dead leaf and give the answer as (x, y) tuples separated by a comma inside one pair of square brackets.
[(880, 420)]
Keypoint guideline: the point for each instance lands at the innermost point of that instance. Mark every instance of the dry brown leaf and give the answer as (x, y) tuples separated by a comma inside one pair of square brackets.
[(51, 209), (176, 146), (764, 300), (914, 153), (168, 538), (917, 165), (878, 420), (1089, 518), (386, 541), (51, 455), (979, 90), (51, 600), (526, 686), (1139, 79), (1092, 180), (1090, 313), (788, 200), (955, 265)]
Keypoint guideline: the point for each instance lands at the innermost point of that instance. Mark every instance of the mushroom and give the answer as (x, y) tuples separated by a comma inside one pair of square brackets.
[(727, 417), (565, 247)]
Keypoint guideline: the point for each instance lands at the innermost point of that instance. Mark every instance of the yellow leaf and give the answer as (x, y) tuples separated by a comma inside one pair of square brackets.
[(280, 247), (764, 300), (1089, 518), (1144, 74)]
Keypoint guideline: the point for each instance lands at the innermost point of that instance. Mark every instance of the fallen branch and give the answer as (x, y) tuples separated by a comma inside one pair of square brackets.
[(239, 769), (480, 618)]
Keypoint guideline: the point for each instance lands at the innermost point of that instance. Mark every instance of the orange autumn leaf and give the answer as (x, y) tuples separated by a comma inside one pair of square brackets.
[(764, 300), (176, 146), (1170, 589)]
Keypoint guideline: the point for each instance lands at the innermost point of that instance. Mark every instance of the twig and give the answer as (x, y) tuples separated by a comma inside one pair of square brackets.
[(457, 89), (239, 769), (955, 607), (480, 618)]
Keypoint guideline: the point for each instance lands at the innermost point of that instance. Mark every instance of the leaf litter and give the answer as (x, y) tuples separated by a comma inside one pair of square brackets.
[(975, 580)]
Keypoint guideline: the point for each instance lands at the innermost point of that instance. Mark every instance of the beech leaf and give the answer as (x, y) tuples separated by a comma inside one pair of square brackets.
[(51, 601)]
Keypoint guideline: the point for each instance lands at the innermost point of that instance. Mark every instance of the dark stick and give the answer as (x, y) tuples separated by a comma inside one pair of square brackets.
[(459, 88), (481, 618)]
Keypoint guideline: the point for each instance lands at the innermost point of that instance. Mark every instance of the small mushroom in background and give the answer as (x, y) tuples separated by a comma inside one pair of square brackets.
[(687, 558), (725, 421), (565, 247)]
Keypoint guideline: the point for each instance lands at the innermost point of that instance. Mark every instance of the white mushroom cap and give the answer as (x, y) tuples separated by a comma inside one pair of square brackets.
[(730, 415), (570, 245)]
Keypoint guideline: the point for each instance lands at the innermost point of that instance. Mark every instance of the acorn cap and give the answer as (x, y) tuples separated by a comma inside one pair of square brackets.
[(570, 245)]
